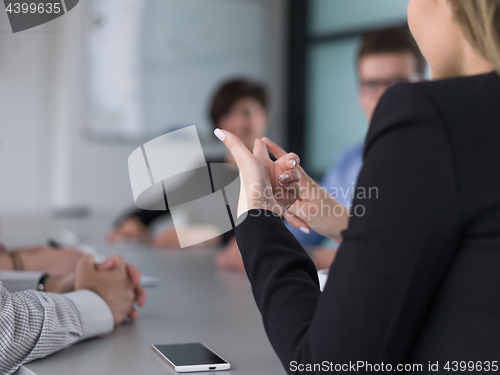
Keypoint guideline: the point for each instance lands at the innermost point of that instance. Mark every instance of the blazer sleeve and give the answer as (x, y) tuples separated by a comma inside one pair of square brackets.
[(402, 236)]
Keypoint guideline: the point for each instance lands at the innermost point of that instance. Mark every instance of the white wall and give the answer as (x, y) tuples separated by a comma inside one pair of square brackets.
[(25, 74), (46, 161)]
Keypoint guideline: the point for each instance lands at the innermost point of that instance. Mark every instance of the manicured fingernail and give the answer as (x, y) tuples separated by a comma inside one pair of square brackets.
[(293, 163), (305, 230), (265, 139), (220, 134), (284, 177)]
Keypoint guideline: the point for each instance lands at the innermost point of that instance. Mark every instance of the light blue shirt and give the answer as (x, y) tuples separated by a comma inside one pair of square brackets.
[(340, 181)]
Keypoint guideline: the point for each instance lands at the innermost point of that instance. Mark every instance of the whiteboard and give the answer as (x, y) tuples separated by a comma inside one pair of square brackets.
[(154, 64)]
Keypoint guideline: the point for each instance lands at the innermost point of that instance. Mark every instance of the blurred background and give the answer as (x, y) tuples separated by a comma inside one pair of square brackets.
[(79, 94)]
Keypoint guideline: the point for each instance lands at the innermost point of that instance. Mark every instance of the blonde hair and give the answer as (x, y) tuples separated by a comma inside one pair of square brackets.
[(480, 23)]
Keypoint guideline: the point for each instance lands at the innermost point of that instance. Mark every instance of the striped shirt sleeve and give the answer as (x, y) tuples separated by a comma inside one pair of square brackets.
[(35, 324), (16, 281)]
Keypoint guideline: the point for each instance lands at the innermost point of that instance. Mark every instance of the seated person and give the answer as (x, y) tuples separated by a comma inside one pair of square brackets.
[(239, 106), (91, 300), (35, 323), (385, 57)]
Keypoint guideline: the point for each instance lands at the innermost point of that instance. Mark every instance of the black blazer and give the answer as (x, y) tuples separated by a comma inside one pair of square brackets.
[(417, 278)]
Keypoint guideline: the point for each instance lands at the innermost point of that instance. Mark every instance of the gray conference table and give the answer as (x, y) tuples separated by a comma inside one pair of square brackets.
[(195, 302)]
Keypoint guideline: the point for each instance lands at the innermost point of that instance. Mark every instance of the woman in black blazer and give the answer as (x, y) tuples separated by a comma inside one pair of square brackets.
[(416, 281)]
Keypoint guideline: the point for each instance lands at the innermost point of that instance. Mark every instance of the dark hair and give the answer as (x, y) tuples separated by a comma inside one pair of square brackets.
[(393, 40), (232, 91)]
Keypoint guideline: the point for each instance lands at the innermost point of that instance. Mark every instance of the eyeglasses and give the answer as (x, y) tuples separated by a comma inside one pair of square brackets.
[(372, 87)]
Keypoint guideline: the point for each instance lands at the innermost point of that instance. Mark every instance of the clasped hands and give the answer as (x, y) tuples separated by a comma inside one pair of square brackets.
[(284, 188), (115, 281)]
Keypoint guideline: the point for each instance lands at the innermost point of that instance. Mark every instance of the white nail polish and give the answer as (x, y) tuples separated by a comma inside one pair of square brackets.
[(284, 177), (293, 163), (305, 230), (220, 134)]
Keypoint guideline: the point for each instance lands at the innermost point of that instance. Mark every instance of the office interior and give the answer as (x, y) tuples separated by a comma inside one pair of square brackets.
[(79, 94), (57, 154)]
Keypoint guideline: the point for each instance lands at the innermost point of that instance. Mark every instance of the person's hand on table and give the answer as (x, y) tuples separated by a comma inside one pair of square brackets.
[(55, 261), (60, 284), (316, 209), (65, 284), (265, 184), (141, 297), (130, 229), (115, 282), (134, 275), (230, 258)]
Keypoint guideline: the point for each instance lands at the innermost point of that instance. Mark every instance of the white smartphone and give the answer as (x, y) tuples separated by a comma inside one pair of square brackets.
[(191, 357)]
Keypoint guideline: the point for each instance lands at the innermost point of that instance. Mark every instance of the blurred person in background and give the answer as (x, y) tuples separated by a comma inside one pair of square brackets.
[(385, 57), (239, 106)]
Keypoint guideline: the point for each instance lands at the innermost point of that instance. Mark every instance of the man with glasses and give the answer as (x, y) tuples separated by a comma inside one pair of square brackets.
[(386, 57)]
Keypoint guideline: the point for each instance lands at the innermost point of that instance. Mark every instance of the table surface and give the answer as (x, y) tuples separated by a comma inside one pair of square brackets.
[(195, 302)]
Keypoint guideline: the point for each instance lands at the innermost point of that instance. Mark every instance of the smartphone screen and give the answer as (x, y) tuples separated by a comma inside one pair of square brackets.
[(192, 357)]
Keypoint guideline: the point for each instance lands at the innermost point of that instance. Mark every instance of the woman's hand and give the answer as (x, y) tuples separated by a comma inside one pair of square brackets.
[(265, 184), (316, 209)]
